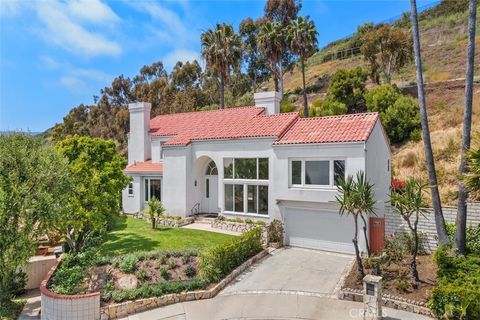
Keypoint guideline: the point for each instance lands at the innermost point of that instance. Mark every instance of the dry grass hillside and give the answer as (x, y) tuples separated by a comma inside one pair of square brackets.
[(444, 41)]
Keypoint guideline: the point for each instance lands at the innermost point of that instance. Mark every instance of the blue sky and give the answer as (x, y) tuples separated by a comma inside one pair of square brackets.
[(57, 54)]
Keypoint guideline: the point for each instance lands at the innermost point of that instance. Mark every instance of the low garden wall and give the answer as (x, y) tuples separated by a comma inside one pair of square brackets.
[(388, 301), (114, 311), (73, 307), (240, 227), (176, 223), (426, 225), (36, 270)]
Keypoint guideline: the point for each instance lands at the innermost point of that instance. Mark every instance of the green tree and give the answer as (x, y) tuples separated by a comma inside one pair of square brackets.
[(96, 169), (34, 188), (155, 210), (356, 198), (257, 64), (270, 42), (348, 87), (399, 113), (388, 49), (302, 41), (409, 203), (222, 51), (327, 107)]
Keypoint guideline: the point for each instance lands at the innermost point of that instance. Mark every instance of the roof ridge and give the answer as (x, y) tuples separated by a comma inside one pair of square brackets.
[(351, 115)]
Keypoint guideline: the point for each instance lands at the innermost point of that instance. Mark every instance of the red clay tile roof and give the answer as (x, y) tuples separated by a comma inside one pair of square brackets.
[(232, 123), (147, 166), (345, 128)]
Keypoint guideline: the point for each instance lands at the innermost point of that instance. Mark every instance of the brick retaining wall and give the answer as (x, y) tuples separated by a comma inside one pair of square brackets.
[(394, 223)]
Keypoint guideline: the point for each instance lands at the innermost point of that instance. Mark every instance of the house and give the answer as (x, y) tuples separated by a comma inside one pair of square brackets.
[(255, 162)]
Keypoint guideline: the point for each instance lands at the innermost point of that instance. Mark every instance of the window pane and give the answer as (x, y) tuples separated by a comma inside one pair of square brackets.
[(252, 199), (263, 168), (317, 172), (338, 170), (263, 200), (155, 190), (239, 198), (130, 188), (146, 190), (246, 168), (228, 168), (207, 188), (229, 197), (296, 172)]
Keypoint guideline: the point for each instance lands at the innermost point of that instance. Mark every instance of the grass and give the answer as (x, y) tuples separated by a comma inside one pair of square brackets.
[(131, 235)]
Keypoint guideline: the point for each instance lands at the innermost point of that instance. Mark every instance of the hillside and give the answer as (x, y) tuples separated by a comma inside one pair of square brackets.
[(444, 41)]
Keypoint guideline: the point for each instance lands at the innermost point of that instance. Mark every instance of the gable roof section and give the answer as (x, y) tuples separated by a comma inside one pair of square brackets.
[(346, 128), (144, 167), (232, 123)]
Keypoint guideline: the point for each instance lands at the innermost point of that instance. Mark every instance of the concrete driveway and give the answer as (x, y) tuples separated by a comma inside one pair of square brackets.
[(292, 283)]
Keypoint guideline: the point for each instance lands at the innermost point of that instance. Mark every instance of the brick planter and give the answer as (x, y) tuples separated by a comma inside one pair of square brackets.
[(114, 311), (73, 307)]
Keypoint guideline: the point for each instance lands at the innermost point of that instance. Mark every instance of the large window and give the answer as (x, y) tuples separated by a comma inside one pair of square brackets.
[(246, 185), (153, 188), (316, 172)]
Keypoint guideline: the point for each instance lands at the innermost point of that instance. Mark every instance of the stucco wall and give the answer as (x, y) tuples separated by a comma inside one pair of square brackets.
[(426, 224), (36, 270)]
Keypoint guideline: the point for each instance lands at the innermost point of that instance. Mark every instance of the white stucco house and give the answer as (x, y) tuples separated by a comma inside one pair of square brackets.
[(255, 162)]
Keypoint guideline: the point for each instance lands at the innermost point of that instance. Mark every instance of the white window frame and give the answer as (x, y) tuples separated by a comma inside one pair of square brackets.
[(130, 190), (303, 185), (246, 182)]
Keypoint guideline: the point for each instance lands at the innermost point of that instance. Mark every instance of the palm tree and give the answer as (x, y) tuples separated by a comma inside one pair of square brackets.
[(432, 176), (409, 203), (302, 40), (222, 51), (356, 199), (461, 221), (270, 42)]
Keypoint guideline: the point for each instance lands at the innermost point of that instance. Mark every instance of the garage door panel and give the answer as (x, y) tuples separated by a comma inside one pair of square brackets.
[(318, 229)]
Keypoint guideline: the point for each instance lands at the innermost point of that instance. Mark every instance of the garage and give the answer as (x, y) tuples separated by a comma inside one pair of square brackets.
[(319, 229)]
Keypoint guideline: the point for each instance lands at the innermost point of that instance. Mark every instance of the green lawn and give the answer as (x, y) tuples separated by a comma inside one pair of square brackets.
[(130, 235)]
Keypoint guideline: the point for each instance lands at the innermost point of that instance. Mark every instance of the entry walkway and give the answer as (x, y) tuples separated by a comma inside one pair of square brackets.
[(208, 227)]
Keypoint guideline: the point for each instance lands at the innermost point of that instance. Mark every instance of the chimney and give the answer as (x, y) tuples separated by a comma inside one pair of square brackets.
[(268, 100), (139, 147)]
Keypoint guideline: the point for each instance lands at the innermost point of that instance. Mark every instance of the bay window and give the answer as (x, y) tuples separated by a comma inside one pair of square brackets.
[(314, 172), (246, 185)]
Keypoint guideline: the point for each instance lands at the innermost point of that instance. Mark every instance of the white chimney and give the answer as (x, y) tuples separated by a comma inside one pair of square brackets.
[(139, 147), (268, 100)]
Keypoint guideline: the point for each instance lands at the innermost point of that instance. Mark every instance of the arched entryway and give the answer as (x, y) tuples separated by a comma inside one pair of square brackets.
[(210, 189)]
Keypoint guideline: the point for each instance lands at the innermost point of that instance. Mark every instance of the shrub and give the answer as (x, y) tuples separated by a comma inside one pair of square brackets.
[(275, 231), (286, 106), (164, 273), (457, 294), (141, 274), (473, 237), (128, 263), (380, 98), (328, 107), (402, 119), (402, 285), (190, 271), (219, 261), (401, 243), (172, 264)]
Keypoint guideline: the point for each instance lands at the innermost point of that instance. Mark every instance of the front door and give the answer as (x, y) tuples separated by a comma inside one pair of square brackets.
[(377, 234), (211, 194)]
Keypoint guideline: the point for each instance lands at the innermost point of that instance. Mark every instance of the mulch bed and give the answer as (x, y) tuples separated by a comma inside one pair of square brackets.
[(396, 278)]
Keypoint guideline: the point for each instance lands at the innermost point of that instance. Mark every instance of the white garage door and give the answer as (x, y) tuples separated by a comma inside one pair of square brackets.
[(319, 229)]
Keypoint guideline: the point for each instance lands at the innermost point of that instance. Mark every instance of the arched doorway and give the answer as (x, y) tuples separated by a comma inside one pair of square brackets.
[(210, 189)]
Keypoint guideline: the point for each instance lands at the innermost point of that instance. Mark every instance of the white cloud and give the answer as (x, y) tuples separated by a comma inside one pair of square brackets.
[(93, 11), (63, 28), (184, 55), (12, 7)]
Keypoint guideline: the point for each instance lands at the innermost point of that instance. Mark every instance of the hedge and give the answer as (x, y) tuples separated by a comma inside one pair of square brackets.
[(219, 261), (457, 294)]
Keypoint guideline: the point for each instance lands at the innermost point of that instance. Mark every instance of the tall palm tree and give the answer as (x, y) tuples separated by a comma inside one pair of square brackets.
[(270, 42), (461, 221), (222, 51), (432, 176), (302, 40)]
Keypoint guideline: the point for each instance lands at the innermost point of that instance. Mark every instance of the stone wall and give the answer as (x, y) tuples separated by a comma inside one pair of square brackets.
[(73, 307), (426, 225), (240, 227)]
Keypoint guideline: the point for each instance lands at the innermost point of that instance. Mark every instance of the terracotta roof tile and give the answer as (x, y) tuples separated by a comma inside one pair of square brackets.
[(147, 166), (345, 128), (232, 123)]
